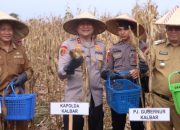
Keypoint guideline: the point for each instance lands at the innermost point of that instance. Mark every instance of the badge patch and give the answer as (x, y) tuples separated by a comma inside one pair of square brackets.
[(78, 47), (162, 64), (97, 48), (18, 56), (17, 53), (63, 50)]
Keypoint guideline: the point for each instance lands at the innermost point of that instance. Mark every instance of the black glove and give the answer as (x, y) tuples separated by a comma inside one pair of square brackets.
[(143, 67), (20, 79), (73, 64), (111, 74)]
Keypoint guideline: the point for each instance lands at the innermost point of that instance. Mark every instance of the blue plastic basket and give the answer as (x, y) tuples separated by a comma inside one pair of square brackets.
[(122, 94), (19, 106)]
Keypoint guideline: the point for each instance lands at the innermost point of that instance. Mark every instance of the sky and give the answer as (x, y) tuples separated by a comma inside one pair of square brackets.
[(27, 9)]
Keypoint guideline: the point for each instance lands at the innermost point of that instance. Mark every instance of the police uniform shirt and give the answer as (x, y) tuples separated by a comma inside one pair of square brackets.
[(123, 56), (94, 54)]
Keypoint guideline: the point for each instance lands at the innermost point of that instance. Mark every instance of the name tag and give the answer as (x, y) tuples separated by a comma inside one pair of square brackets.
[(66, 108), (163, 53), (149, 114), (117, 55)]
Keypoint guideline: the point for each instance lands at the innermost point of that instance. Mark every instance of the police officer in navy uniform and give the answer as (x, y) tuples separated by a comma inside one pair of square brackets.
[(85, 27), (123, 58)]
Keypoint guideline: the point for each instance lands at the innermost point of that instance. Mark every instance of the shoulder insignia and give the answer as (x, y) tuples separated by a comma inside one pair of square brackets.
[(98, 48), (159, 42), (115, 43), (97, 40), (63, 50)]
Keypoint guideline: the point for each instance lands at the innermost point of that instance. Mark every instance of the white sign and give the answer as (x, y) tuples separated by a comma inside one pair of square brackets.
[(66, 108), (149, 114)]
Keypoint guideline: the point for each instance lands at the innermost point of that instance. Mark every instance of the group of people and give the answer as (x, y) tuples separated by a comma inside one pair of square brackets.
[(121, 57), (86, 56)]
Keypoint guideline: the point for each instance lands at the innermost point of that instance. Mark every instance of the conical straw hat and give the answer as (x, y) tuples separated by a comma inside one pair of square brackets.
[(113, 24), (170, 18), (71, 25), (20, 29)]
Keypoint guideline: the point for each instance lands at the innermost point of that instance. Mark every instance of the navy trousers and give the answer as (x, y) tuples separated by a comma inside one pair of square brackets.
[(95, 118)]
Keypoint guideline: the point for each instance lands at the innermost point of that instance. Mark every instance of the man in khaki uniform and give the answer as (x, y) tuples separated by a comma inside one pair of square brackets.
[(165, 60), (85, 26), (14, 64)]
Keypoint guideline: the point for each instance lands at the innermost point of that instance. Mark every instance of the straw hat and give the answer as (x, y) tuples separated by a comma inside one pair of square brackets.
[(71, 25), (113, 24), (170, 18), (20, 29)]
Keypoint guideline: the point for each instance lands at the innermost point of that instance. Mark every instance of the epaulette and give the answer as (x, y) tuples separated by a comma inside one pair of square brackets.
[(119, 41), (115, 43), (159, 42), (98, 41)]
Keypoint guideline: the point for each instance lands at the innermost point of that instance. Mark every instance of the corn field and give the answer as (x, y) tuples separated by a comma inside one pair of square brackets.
[(42, 44)]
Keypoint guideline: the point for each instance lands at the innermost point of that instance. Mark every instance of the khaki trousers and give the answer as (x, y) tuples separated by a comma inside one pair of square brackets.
[(174, 117)]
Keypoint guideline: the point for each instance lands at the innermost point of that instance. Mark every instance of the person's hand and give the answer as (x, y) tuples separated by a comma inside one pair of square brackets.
[(111, 74), (104, 74), (73, 64), (20, 79), (134, 73)]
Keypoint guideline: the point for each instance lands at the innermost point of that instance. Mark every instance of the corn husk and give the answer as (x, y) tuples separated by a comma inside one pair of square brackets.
[(134, 42)]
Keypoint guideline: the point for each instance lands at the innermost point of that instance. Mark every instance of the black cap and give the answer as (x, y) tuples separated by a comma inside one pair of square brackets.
[(126, 24)]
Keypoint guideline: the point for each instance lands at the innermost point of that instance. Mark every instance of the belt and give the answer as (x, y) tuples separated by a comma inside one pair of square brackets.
[(163, 96)]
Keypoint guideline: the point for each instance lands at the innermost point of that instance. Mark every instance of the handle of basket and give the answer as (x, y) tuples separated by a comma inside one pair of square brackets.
[(121, 73), (4, 108), (170, 77), (108, 80), (10, 85)]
